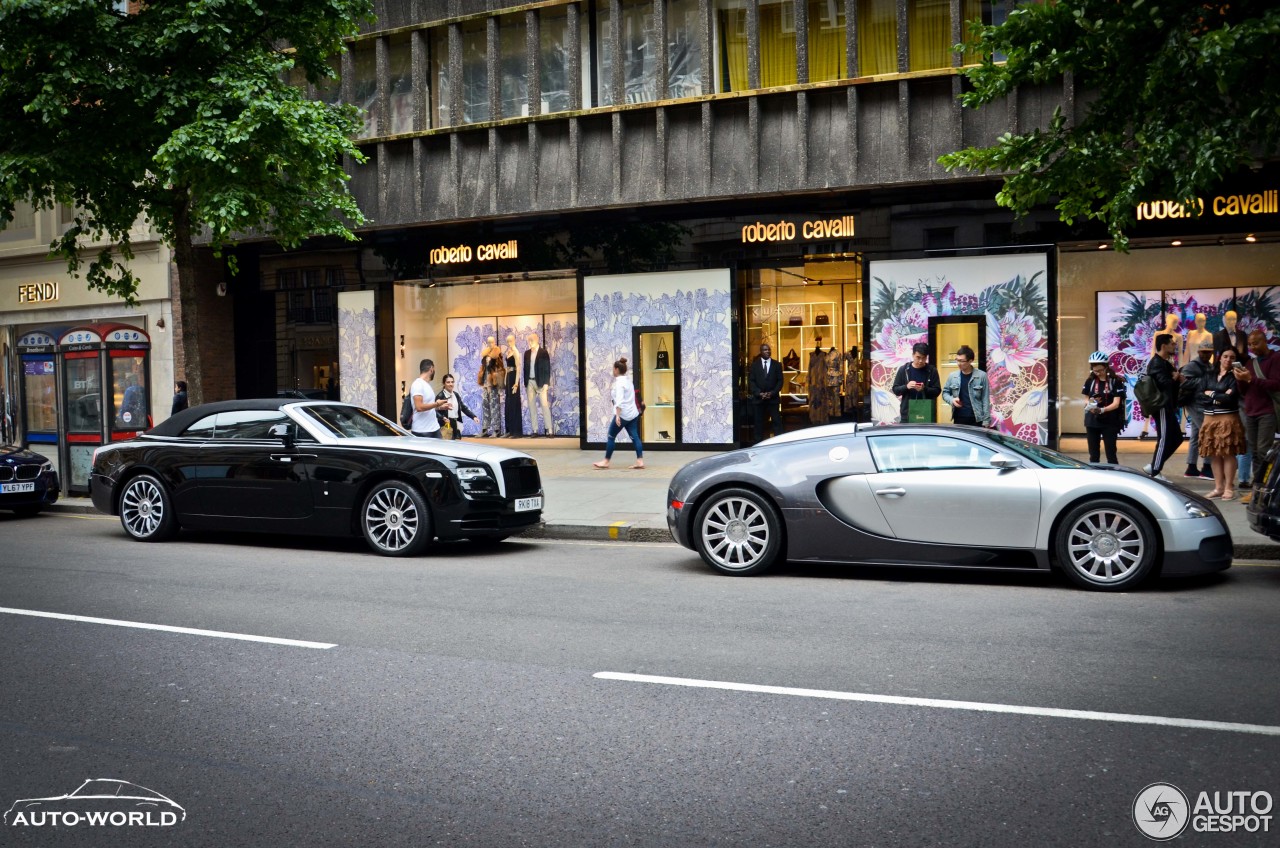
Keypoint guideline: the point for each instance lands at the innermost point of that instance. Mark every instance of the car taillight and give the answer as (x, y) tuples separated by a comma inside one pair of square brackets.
[(677, 504)]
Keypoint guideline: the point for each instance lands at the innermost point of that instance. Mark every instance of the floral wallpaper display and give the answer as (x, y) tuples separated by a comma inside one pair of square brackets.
[(1010, 293), (699, 303), (560, 335), (1128, 322), (357, 348)]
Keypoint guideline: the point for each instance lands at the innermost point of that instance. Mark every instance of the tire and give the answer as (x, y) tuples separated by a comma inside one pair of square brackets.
[(146, 510), (395, 520), (738, 532), (1106, 545)]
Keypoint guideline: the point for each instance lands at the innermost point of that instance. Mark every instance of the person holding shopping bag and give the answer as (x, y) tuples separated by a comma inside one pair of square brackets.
[(918, 386), (626, 416)]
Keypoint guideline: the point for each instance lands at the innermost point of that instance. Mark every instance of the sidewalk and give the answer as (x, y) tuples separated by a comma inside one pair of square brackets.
[(583, 503)]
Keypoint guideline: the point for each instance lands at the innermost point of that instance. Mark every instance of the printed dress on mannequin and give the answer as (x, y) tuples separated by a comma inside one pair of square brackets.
[(819, 409)]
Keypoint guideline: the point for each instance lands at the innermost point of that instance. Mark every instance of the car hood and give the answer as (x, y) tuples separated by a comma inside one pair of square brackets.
[(19, 454), (437, 447)]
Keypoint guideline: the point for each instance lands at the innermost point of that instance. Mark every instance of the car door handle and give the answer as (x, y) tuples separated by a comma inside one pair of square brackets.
[(291, 457), (891, 493)]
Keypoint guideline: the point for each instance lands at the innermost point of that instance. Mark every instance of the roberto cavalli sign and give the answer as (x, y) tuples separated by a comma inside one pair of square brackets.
[(808, 229)]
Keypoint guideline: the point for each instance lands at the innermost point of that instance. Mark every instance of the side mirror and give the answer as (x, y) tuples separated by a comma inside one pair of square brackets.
[(284, 432), (1003, 461)]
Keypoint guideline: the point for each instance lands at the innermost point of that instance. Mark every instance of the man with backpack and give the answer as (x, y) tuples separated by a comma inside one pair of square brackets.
[(1164, 411)]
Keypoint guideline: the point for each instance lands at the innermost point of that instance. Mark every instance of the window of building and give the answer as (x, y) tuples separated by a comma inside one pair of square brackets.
[(475, 73), (939, 238), (731, 30), (828, 58), (989, 12), (639, 52), (928, 34), (512, 65), (553, 26), (684, 49), (877, 37), (777, 43), (330, 90), (400, 63), (438, 47), (23, 225), (364, 86)]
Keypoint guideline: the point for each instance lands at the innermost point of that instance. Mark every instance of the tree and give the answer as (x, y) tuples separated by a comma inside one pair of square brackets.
[(178, 114), (1179, 93)]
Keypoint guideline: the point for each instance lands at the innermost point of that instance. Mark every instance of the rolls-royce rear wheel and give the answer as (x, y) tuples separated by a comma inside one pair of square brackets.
[(395, 520), (1106, 545), (146, 510), (738, 532)]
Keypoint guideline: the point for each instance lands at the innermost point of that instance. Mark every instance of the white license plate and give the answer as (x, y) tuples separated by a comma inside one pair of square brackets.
[(526, 504), (16, 488)]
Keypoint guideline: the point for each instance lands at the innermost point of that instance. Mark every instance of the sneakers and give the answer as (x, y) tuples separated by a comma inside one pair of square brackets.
[(1206, 472), (1191, 471)]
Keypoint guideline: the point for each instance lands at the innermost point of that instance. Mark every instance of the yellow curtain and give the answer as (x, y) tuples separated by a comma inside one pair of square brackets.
[(877, 37), (929, 34), (777, 43), (826, 40), (733, 49), (970, 10)]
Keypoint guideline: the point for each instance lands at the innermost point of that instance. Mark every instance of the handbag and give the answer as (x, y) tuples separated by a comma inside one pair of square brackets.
[(795, 320), (664, 357), (822, 320), (920, 411), (792, 360), (793, 314)]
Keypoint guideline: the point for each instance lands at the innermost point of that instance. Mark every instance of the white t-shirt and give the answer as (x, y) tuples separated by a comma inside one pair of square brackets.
[(424, 422), (624, 397)]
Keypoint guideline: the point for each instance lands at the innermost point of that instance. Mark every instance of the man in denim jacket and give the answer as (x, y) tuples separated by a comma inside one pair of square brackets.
[(967, 392)]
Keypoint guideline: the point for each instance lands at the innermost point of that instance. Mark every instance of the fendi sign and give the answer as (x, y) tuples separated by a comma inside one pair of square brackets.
[(816, 229), (481, 253), (37, 292)]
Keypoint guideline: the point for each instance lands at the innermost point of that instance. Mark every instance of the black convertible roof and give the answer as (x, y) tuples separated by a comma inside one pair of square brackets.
[(175, 424)]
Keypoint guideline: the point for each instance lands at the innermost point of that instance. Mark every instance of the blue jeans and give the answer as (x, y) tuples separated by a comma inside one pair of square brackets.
[(633, 430)]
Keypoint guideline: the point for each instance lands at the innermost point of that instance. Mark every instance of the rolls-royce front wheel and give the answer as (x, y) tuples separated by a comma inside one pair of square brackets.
[(395, 520)]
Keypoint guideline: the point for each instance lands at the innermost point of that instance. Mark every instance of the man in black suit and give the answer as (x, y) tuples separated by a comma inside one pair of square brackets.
[(765, 379)]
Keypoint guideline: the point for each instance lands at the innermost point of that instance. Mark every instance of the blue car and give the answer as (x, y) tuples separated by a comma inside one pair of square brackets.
[(28, 482)]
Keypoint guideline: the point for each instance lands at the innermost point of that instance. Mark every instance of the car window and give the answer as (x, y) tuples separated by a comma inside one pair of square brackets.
[(202, 429), (924, 452), (243, 424), (350, 422)]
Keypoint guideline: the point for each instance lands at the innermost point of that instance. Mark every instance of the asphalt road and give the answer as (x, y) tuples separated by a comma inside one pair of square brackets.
[(461, 702)]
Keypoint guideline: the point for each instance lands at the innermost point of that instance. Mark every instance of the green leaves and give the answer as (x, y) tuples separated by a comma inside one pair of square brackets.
[(1178, 95)]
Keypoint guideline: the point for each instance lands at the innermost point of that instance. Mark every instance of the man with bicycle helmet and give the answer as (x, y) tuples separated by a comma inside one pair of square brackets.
[(1104, 411)]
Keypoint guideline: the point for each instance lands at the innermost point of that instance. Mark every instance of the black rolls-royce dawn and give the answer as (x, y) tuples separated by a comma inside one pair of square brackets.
[(312, 467)]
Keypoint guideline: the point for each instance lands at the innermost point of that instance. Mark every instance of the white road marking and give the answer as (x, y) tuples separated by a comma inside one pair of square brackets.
[(976, 706), (191, 631)]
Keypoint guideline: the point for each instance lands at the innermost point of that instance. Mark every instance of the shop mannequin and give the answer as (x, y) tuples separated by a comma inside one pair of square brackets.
[(537, 380), (1171, 322), (819, 394), (511, 397), (1195, 338), (852, 383), (1228, 337), (493, 376)]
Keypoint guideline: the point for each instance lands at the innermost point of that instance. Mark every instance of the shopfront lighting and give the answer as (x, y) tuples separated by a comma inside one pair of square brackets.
[(1176, 242), (1251, 238), (1102, 246)]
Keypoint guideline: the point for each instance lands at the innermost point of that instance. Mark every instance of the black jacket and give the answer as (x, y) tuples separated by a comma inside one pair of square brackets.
[(760, 382), (1162, 371), (1222, 341), (541, 372), (932, 388), (1225, 397)]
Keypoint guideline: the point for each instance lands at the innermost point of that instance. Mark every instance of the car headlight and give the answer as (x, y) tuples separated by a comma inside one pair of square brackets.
[(1197, 511), (476, 480), (46, 467)]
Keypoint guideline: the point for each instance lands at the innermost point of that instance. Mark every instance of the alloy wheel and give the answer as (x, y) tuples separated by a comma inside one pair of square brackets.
[(142, 507), (1105, 546), (391, 519), (735, 533)]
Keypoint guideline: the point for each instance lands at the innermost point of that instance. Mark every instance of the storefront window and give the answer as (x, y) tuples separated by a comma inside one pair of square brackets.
[(553, 25), (129, 393), (777, 43), (400, 59), (475, 73), (438, 47), (84, 398), (731, 26), (929, 34), (512, 66), (639, 71), (877, 37), (684, 49), (827, 55), (365, 85)]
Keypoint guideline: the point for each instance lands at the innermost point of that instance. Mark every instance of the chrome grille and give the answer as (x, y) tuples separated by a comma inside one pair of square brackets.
[(520, 478)]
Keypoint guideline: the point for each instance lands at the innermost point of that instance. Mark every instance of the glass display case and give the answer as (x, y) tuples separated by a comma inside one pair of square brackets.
[(656, 376)]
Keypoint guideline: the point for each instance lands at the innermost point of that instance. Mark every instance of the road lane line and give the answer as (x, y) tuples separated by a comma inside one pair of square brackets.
[(191, 631), (975, 706)]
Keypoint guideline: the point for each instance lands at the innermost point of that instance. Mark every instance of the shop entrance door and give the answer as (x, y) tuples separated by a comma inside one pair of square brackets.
[(946, 335)]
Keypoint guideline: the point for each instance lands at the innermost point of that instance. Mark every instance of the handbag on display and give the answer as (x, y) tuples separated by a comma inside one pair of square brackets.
[(791, 360), (795, 320), (664, 356), (794, 315), (822, 320)]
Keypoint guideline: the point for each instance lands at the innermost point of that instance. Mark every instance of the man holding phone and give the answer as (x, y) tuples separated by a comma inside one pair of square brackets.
[(1168, 433), (1259, 380), (916, 380)]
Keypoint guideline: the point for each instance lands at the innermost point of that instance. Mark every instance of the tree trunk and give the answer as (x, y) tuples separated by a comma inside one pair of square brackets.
[(185, 261)]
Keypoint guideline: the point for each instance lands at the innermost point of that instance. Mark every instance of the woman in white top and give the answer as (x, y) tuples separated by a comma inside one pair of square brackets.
[(626, 415)]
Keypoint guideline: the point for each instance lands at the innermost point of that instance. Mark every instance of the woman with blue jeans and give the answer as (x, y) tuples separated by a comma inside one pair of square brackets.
[(626, 415)]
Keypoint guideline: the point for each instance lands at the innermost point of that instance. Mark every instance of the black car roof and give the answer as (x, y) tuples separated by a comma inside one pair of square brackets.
[(175, 424)]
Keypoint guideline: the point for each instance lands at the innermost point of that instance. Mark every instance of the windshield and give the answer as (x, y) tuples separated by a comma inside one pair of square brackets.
[(350, 422), (1044, 457)]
